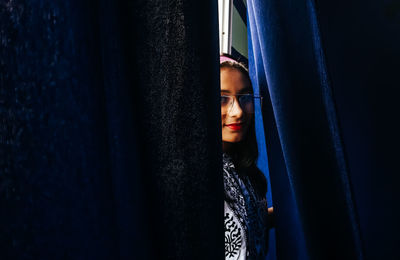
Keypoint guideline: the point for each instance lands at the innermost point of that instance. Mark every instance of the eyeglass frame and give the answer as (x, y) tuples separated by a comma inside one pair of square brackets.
[(238, 99)]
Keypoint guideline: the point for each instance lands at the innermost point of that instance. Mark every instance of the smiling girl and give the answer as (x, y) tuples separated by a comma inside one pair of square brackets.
[(246, 212)]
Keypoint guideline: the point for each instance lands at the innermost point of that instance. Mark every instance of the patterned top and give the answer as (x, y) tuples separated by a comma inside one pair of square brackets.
[(246, 231)]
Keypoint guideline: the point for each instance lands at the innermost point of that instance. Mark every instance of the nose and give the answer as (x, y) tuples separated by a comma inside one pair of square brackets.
[(235, 110)]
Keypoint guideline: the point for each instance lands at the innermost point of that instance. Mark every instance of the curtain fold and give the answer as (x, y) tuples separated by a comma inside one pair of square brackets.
[(361, 44), (316, 218), (288, 244), (110, 136)]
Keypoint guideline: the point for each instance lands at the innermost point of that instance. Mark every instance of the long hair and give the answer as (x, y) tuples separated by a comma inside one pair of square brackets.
[(245, 153)]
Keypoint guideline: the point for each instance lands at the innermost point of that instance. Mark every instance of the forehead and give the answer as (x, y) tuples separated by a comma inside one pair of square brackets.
[(233, 81)]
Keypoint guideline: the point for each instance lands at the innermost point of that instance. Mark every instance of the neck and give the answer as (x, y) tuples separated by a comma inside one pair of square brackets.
[(226, 147)]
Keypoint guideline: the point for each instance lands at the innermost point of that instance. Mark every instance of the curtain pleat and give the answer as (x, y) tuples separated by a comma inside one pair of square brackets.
[(316, 218), (110, 133)]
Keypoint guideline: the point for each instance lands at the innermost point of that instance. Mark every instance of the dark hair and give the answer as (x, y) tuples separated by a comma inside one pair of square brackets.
[(245, 153)]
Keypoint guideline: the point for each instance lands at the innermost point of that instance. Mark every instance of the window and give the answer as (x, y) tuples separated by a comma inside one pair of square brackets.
[(233, 28)]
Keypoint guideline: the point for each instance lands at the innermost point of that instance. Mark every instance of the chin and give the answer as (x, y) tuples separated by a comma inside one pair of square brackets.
[(232, 139)]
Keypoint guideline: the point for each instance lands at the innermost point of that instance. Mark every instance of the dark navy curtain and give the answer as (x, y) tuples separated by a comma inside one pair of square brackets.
[(110, 136), (329, 72)]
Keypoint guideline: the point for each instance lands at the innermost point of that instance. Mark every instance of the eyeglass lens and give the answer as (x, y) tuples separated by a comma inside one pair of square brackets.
[(246, 103)]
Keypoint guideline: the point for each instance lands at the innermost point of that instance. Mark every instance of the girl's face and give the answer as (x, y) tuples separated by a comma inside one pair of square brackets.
[(235, 121)]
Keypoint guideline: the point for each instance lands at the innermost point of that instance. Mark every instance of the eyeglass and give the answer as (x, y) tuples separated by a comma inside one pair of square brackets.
[(246, 102)]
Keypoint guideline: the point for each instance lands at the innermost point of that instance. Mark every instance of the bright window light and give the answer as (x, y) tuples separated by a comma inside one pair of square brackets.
[(225, 25)]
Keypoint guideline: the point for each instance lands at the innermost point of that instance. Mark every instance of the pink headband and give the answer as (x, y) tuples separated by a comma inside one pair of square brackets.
[(224, 58)]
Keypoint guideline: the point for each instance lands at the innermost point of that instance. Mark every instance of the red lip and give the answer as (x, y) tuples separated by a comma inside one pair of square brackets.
[(235, 126)]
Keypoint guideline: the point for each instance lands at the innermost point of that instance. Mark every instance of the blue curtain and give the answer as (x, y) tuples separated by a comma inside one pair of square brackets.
[(328, 72), (110, 143)]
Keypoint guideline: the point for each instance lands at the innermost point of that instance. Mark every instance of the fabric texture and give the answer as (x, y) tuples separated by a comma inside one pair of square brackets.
[(250, 210), (313, 201), (235, 235), (109, 130)]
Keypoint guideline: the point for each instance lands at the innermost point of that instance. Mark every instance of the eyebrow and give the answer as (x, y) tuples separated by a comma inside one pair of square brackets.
[(243, 91)]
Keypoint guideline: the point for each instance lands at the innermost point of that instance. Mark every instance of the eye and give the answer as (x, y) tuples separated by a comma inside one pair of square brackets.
[(247, 103), (246, 99), (225, 100)]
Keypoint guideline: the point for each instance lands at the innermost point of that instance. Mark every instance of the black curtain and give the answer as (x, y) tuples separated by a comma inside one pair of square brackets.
[(110, 134), (362, 46)]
